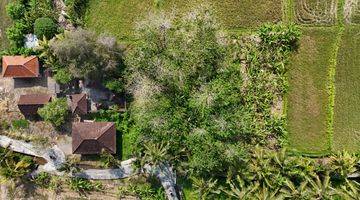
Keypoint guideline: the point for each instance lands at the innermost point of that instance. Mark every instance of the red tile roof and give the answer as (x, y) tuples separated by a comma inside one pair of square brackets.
[(92, 137), (34, 99), (20, 66), (78, 104), (29, 104)]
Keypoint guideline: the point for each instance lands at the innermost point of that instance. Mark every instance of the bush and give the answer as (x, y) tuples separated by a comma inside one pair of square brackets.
[(20, 124), (55, 112), (15, 10), (63, 76), (15, 34), (83, 185), (45, 27)]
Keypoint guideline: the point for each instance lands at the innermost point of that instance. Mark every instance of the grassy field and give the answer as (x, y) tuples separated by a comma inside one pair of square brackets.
[(347, 98), (308, 98), (4, 23), (119, 17)]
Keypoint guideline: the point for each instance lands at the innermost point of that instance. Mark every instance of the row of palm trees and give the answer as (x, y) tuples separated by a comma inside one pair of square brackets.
[(272, 174)]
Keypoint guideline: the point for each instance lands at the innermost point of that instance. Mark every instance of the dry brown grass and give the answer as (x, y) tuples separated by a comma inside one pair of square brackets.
[(316, 11)]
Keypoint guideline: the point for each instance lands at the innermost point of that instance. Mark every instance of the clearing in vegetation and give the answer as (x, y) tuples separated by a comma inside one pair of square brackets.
[(119, 17), (347, 98), (315, 11), (307, 97), (5, 21)]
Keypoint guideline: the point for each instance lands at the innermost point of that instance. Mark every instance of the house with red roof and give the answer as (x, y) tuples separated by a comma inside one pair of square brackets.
[(93, 137), (20, 67)]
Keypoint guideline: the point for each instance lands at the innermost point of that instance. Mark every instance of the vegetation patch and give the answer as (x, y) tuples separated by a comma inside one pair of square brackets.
[(308, 98), (347, 99), (118, 17), (4, 23), (315, 11)]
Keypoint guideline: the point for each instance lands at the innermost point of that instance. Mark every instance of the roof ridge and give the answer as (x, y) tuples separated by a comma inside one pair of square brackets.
[(30, 58), (107, 127)]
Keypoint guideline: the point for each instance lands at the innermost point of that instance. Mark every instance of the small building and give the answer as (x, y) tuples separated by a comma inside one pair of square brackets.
[(92, 137), (29, 104), (78, 104), (20, 67)]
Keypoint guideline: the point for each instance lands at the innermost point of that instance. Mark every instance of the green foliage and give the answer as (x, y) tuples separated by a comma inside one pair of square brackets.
[(14, 165), (20, 124), (15, 10), (108, 160), (55, 112), (144, 191), (15, 33), (43, 180), (86, 55), (83, 185), (63, 76), (45, 27), (24, 14), (76, 9), (202, 93), (281, 37)]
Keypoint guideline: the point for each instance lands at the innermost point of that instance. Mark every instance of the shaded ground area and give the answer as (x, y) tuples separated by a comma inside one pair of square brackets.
[(119, 17), (307, 98), (5, 21), (347, 87)]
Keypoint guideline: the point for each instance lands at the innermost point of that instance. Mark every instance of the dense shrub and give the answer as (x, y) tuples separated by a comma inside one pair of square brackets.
[(14, 165), (86, 55), (20, 124), (55, 112), (83, 185), (45, 27), (15, 10), (63, 76), (76, 10), (15, 34)]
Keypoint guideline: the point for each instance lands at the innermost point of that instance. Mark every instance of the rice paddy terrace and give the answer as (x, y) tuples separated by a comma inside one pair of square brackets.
[(324, 75)]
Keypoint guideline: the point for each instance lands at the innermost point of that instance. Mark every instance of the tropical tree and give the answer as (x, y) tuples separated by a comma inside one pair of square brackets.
[(291, 191), (206, 189), (351, 190), (320, 187)]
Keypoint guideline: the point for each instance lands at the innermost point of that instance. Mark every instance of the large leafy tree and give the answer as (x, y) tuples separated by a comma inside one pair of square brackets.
[(208, 96), (55, 112), (86, 55)]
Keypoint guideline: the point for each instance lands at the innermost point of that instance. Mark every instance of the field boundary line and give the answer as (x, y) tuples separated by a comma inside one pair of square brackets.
[(331, 90)]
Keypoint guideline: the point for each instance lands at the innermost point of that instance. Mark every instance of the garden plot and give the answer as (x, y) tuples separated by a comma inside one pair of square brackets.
[(315, 11), (307, 97), (347, 90)]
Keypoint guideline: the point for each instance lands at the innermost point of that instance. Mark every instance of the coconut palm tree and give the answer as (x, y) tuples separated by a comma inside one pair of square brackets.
[(205, 188), (239, 190), (351, 190), (290, 191), (320, 188)]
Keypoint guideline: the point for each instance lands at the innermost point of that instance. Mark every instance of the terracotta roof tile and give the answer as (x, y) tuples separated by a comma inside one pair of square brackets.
[(92, 137), (20, 66), (78, 104)]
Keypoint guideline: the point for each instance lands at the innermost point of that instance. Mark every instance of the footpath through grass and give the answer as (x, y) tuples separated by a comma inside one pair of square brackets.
[(308, 98), (119, 17), (5, 21), (347, 99)]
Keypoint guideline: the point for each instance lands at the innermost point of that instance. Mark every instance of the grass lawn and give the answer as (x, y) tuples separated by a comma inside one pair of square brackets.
[(119, 17), (5, 21), (347, 93), (307, 97)]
